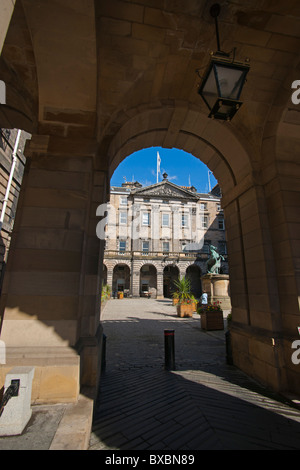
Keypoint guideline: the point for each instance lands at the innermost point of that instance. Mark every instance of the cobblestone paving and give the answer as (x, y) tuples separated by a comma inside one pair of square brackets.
[(204, 404)]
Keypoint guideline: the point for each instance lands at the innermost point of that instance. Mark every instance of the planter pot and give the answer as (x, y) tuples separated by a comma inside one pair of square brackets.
[(212, 321), (185, 310), (120, 295)]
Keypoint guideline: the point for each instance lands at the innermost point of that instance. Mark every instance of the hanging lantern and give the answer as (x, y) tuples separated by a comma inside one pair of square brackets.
[(223, 81)]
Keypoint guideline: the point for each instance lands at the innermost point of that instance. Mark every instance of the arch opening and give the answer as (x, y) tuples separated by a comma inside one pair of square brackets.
[(121, 278), (171, 274), (148, 281), (193, 273)]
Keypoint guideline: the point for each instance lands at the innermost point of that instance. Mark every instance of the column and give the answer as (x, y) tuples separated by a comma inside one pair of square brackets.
[(160, 284), (51, 293), (135, 278)]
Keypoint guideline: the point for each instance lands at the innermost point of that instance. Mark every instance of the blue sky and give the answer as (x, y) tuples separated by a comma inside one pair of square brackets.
[(182, 169)]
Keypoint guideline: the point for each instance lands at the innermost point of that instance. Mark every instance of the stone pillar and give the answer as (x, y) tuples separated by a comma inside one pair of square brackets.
[(217, 288), (155, 228), (160, 284), (176, 229), (255, 323), (7, 8), (51, 292), (110, 278), (135, 278)]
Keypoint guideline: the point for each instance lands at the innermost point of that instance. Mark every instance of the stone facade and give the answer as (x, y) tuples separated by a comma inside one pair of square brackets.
[(156, 233)]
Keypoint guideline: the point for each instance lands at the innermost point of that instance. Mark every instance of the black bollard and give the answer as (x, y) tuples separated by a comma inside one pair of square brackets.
[(229, 359), (169, 350)]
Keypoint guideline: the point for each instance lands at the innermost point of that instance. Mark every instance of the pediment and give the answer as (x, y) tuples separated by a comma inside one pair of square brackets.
[(165, 189)]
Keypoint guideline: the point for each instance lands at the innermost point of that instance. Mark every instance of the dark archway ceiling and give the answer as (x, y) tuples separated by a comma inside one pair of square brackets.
[(81, 67)]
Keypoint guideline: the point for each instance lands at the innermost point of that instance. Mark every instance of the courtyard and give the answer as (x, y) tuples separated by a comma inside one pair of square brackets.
[(203, 404)]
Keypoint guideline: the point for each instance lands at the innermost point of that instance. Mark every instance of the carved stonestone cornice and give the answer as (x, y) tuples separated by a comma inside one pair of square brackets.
[(165, 189)]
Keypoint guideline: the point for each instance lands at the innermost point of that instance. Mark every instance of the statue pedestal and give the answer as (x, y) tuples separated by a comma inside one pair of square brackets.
[(217, 288)]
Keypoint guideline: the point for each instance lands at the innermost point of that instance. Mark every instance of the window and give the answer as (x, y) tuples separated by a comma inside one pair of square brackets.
[(123, 218), (221, 224), (204, 220), (145, 247), (120, 285), (203, 206), (166, 247), (222, 248), (145, 286), (123, 201), (146, 218), (184, 220), (206, 246), (219, 207), (4, 138), (165, 220), (122, 246)]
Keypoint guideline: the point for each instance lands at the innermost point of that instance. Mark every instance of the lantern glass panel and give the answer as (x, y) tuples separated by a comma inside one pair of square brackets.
[(230, 81), (210, 89)]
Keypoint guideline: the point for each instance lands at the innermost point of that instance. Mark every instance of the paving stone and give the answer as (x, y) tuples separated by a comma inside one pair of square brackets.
[(204, 404)]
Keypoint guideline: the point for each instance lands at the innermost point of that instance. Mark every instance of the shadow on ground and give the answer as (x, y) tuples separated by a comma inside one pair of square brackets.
[(205, 404)]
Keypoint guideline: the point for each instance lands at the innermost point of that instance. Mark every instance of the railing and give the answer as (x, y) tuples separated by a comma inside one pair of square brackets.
[(172, 255)]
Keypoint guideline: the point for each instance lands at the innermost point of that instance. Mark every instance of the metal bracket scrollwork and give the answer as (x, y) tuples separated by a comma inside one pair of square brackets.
[(11, 391)]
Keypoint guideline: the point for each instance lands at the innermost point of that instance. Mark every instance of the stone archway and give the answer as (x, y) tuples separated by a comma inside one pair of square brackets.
[(230, 158), (170, 274), (131, 87)]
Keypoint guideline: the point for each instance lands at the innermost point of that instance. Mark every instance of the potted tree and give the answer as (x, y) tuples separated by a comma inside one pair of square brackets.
[(105, 292), (211, 316), (175, 297), (186, 302)]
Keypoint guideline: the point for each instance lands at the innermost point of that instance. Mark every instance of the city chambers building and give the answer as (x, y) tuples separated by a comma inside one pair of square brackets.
[(158, 233), (93, 82)]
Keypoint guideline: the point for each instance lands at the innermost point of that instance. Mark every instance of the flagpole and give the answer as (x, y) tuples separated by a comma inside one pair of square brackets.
[(157, 166), (209, 186)]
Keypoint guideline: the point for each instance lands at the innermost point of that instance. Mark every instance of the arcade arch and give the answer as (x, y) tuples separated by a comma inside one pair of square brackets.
[(171, 273), (121, 278), (148, 280), (193, 273), (234, 165)]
